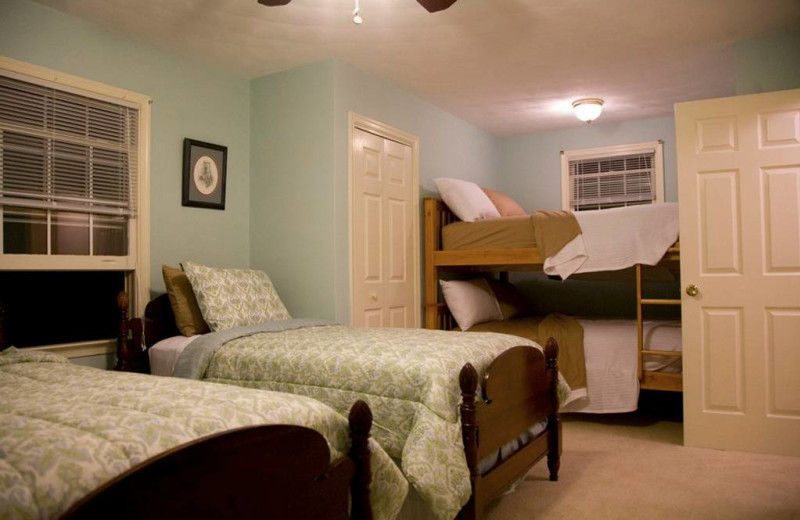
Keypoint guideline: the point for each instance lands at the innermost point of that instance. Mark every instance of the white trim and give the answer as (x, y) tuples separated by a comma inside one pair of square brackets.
[(140, 250), (81, 349), (388, 132), (656, 147)]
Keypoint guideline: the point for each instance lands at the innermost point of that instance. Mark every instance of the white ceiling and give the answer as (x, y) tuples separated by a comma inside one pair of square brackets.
[(507, 66)]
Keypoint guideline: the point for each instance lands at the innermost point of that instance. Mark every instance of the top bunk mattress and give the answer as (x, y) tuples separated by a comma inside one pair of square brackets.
[(496, 233)]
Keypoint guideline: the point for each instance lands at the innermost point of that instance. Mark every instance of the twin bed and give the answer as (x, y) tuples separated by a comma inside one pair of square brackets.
[(463, 415), (78, 442)]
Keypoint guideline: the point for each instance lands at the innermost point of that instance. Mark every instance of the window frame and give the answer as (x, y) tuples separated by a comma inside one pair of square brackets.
[(656, 147), (136, 263)]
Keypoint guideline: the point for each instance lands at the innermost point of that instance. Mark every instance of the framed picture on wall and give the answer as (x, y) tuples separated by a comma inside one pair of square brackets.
[(204, 166)]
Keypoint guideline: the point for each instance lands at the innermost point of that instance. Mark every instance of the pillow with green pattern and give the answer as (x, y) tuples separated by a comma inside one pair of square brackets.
[(234, 297)]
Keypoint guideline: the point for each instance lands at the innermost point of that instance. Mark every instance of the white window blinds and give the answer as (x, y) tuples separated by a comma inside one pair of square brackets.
[(610, 178), (63, 151)]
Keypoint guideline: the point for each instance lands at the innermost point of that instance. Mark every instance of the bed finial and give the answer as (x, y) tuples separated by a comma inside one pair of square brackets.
[(554, 429), (129, 342), (360, 420)]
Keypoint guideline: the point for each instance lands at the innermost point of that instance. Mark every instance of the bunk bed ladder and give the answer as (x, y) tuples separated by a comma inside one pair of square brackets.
[(653, 380)]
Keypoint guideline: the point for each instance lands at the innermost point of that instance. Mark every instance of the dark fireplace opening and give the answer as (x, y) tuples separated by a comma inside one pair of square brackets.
[(51, 307)]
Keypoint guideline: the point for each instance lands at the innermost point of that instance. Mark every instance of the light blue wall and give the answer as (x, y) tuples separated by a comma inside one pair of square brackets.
[(531, 164), (449, 147), (300, 180), (768, 63), (190, 99), (292, 184)]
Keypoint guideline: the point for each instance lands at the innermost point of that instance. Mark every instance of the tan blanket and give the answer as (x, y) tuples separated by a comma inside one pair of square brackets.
[(554, 230), (566, 330)]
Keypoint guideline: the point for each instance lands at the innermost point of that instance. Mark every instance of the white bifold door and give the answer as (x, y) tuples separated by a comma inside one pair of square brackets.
[(384, 235), (739, 197)]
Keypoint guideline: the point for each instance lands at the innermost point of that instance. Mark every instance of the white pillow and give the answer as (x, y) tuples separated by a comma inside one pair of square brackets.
[(471, 301), (466, 199)]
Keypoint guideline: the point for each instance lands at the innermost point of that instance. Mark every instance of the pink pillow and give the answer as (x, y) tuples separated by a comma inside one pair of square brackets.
[(506, 206)]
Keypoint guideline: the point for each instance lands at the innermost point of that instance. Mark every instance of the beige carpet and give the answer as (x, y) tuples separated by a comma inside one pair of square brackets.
[(634, 466)]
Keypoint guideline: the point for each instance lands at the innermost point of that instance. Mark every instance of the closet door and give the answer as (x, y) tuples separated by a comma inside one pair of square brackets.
[(739, 196), (383, 223)]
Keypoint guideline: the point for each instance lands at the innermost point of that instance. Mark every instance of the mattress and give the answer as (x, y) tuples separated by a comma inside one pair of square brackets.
[(611, 354), (496, 233)]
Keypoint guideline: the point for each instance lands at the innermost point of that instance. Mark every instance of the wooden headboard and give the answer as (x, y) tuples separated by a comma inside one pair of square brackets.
[(159, 321), (136, 335)]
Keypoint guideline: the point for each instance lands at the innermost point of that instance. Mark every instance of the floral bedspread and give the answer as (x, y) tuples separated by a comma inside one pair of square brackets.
[(66, 429), (409, 377)]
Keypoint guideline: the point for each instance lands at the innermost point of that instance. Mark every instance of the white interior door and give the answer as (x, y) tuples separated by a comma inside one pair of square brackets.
[(384, 233), (739, 196)]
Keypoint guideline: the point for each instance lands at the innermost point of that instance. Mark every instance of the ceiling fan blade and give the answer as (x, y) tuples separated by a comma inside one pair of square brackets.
[(434, 5), (273, 2)]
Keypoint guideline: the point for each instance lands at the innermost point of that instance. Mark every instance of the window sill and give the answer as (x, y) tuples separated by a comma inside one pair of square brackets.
[(81, 349)]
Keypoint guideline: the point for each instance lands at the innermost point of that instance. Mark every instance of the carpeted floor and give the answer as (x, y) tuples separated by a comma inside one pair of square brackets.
[(634, 466)]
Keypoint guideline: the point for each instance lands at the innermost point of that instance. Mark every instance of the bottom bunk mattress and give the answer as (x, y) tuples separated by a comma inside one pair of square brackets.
[(610, 351)]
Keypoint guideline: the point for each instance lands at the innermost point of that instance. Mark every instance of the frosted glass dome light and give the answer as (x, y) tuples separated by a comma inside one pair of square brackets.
[(588, 109)]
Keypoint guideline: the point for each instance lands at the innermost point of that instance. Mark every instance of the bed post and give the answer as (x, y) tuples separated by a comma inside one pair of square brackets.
[(553, 420), (433, 233), (130, 357), (2, 327), (468, 380), (360, 420)]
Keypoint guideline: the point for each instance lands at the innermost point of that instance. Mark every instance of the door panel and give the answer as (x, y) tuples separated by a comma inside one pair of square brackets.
[(384, 271), (739, 196)]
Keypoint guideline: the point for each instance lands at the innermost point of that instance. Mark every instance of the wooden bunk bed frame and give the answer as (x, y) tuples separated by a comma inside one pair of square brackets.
[(502, 260), (518, 390)]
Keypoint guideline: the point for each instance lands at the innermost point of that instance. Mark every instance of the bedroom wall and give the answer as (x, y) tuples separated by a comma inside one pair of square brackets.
[(768, 63), (299, 127), (292, 182), (531, 163), (190, 99)]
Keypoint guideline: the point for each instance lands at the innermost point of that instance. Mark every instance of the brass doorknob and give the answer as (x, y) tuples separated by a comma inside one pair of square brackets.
[(692, 290)]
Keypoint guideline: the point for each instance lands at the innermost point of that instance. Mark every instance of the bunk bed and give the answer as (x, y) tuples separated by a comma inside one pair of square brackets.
[(507, 418), (79, 442), (471, 257)]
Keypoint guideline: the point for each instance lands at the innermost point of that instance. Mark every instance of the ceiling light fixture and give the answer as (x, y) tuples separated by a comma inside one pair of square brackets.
[(357, 15), (587, 109)]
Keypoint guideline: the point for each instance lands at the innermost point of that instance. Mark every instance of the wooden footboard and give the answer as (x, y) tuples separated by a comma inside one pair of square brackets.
[(519, 389), (268, 471)]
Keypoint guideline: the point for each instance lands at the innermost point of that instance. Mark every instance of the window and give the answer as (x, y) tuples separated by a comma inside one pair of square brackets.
[(73, 189), (611, 177)]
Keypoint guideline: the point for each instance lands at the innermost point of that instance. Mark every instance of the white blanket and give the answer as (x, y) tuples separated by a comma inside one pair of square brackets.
[(613, 239), (612, 365)]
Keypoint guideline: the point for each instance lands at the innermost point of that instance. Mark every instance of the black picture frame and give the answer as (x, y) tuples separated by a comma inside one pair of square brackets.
[(204, 174)]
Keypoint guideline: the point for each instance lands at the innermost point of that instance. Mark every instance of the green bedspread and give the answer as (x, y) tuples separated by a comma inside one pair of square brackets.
[(66, 429), (409, 377)]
